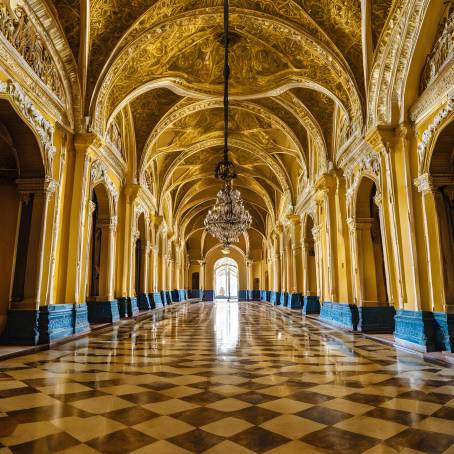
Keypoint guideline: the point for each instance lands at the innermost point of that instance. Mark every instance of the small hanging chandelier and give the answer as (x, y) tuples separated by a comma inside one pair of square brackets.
[(228, 219)]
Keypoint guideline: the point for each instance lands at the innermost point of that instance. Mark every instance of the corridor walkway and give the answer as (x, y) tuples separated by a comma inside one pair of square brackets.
[(225, 378)]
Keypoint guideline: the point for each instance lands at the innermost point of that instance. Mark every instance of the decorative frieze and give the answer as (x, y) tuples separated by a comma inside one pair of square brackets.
[(442, 51), (18, 29)]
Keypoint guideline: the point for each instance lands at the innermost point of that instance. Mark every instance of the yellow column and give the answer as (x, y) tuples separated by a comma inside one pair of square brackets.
[(250, 277), (155, 252), (437, 294), (202, 283), (318, 262), (326, 200), (106, 284), (89, 225), (296, 255), (76, 221), (38, 191)]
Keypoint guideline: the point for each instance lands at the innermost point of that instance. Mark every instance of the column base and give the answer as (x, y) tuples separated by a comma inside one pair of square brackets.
[(283, 301), (424, 330), (208, 295), (262, 295), (243, 295), (340, 314), (376, 319), (175, 295), (275, 298), (103, 311), (168, 297), (150, 300), (164, 297), (46, 325), (295, 301), (445, 331), (157, 301), (81, 324), (196, 294), (182, 295), (254, 295), (143, 302), (311, 305)]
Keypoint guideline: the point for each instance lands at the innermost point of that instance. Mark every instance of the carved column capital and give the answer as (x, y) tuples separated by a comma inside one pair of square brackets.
[(424, 183)]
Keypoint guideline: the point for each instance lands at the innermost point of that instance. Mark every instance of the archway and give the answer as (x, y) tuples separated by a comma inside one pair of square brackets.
[(441, 171), (99, 287), (371, 258), (23, 198), (226, 278)]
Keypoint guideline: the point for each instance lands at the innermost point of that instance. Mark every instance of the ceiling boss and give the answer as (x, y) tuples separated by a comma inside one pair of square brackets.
[(228, 219)]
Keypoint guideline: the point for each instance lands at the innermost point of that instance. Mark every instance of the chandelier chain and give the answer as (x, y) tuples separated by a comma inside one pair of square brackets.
[(228, 219)]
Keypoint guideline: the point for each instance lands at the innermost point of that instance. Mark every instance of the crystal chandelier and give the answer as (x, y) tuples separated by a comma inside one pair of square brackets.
[(228, 219)]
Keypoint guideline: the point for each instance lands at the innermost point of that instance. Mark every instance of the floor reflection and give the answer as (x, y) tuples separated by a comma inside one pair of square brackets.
[(225, 377), (226, 325)]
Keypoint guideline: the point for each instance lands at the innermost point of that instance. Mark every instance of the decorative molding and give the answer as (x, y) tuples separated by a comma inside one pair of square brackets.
[(443, 49), (424, 183), (40, 125), (427, 135), (98, 174), (440, 88)]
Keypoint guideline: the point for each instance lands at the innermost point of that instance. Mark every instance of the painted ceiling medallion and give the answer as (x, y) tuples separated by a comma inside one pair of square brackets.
[(228, 219)]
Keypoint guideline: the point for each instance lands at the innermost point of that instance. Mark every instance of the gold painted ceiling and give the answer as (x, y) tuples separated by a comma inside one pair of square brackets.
[(297, 77)]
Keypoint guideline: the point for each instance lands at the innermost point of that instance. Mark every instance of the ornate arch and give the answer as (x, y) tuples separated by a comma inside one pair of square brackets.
[(41, 128), (99, 175)]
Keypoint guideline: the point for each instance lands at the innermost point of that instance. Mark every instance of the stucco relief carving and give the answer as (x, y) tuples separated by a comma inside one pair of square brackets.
[(115, 139), (98, 174), (443, 49), (368, 165), (17, 28), (392, 59), (40, 125)]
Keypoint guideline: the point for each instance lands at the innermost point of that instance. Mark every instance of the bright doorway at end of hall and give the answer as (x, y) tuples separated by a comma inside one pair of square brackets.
[(226, 278)]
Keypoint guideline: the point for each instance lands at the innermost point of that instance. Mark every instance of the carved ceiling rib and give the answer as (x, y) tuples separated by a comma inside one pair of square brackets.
[(171, 120)]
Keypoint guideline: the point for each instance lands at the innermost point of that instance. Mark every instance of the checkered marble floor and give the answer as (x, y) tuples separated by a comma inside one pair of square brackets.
[(231, 378)]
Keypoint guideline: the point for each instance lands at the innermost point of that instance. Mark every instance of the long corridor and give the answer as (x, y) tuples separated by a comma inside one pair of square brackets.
[(225, 378)]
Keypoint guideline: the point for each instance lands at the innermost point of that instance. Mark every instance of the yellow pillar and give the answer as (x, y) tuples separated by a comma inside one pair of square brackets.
[(437, 295), (38, 192), (76, 221)]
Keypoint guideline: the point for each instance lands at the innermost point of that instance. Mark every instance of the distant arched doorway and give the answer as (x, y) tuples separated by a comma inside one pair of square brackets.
[(100, 244), (226, 278)]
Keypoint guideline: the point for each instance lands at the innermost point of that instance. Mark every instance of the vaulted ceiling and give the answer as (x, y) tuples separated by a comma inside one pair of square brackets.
[(297, 81)]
